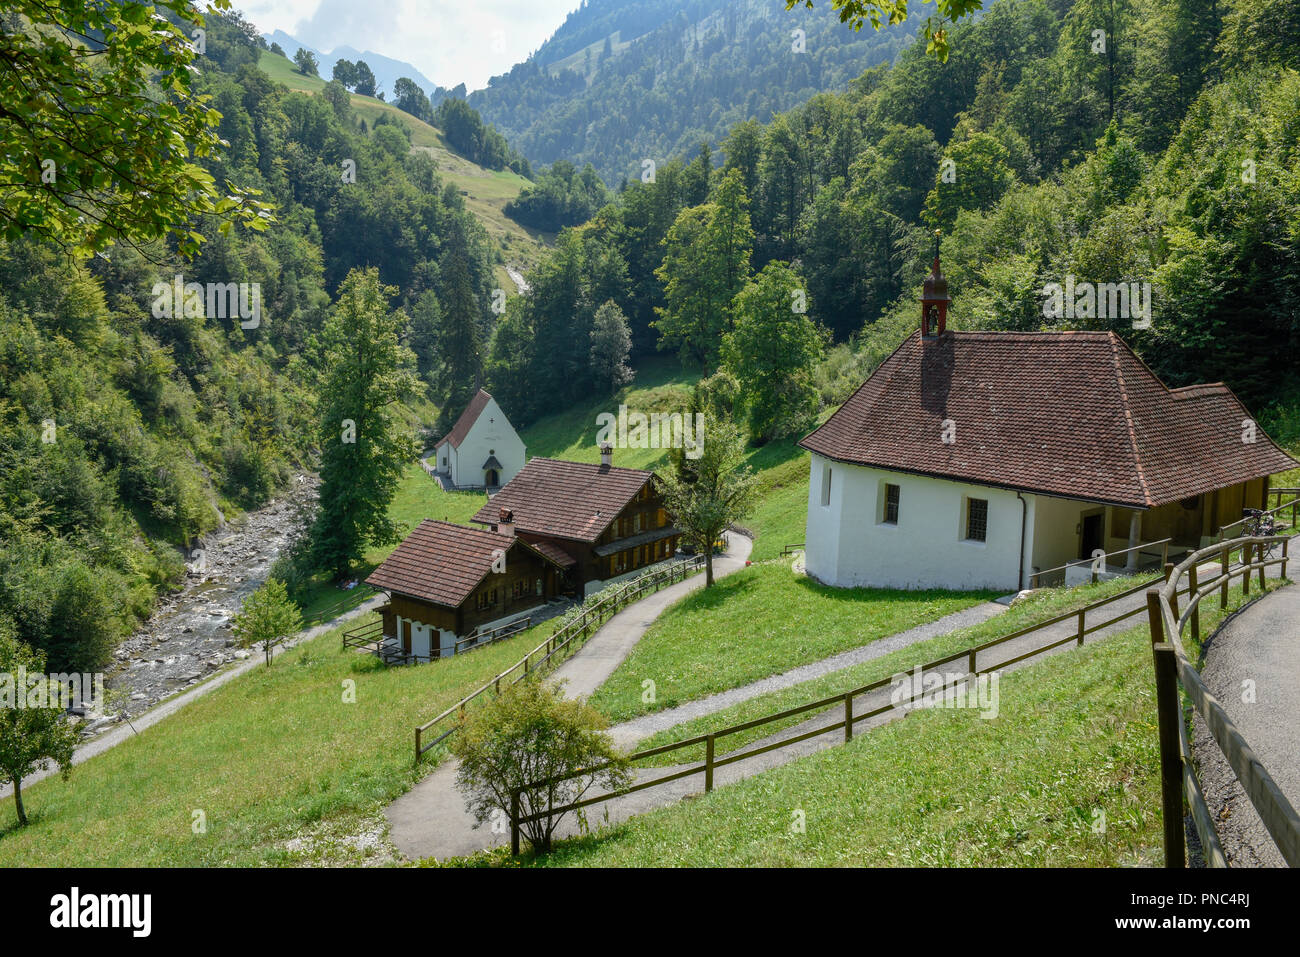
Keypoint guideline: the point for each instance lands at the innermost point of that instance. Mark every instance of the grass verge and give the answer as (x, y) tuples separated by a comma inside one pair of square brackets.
[(266, 759), (757, 622)]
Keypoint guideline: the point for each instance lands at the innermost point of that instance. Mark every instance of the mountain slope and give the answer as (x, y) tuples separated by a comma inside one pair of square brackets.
[(387, 71), (620, 82), (486, 192)]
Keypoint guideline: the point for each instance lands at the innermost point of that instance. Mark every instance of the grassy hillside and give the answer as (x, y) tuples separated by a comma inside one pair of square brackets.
[(275, 760), (486, 191), (1075, 738), (758, 622), (1066, 775)]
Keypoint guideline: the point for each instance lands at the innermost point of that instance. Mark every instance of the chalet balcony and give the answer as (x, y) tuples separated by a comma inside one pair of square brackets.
[(648, 537)]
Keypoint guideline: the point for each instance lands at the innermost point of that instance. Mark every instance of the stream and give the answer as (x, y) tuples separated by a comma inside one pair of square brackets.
[(189, 635)]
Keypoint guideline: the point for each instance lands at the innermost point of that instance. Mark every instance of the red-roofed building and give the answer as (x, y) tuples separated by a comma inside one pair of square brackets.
[(602, 521), (448, 582), (482, 450), (978, 459)]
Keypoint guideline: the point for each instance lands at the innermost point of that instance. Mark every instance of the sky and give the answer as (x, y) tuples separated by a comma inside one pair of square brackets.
[(449, 41)]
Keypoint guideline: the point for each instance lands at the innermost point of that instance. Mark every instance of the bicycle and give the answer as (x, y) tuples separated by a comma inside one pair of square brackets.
[(1260, 524)]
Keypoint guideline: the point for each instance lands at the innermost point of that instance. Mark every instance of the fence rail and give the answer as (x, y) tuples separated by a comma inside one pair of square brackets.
[(358, 596), (792, 549), (1293, 505), (481, 638), (1099, 564), (565, 639), (843, 699), (1174, 671)]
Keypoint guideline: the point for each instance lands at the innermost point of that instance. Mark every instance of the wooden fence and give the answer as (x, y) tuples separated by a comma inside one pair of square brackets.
[(1100, 564), (1174, 671), (480, 638), (842, 700), (567, 638), (358, 596), (1236, 528)]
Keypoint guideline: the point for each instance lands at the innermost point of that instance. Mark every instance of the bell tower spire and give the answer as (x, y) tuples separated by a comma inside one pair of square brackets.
[(934, 299)]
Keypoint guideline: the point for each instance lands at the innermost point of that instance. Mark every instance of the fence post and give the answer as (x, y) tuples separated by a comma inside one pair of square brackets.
[(1223, 591), (848, 717), (1164, 553), (1168, 713), (514, 822), (1173, 598), (970, 662), (1259, 551), (417, 745), (1245, 571), (708, 764), (1191, 600), (1284, 544)]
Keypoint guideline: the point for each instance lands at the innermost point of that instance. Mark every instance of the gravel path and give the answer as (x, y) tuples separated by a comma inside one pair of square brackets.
[(629, 732), (430, 820), (435, 824)]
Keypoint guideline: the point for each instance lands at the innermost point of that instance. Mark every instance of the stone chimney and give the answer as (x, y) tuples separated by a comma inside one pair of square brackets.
[(934, 299), (607, 455), (506, 522)]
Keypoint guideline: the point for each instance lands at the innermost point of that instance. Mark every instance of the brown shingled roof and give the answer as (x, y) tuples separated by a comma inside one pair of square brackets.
[(574, 500), (443, 563), (1073, 414), (466, 420)]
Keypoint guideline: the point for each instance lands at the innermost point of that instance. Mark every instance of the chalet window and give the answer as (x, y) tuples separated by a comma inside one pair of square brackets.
[(826, 486), (486, 599), (519, 588), (663, 518), (977, 519), (636, 522), (539, 587), (892, 495)]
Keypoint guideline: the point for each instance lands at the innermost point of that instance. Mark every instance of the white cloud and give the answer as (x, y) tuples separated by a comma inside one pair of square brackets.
[(449, 41)]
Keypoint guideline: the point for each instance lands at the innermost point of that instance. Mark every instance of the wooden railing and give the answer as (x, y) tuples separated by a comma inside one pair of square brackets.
[(365, 635), (1294, 505), (1099, 564), (842, 700), (481, 638), (565, 639), (1173, 671), (358, 596), (791, 549)]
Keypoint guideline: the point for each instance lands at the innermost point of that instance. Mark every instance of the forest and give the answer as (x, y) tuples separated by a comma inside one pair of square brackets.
[(778, 255), (125, 435)]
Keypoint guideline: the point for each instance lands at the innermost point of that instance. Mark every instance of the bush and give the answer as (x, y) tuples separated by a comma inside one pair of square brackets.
[(531, 733)]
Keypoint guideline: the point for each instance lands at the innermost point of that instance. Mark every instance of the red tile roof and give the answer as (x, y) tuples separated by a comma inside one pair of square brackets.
[(443, 563), (1072, 414), (555, 553), (558, 499), (466, 420)]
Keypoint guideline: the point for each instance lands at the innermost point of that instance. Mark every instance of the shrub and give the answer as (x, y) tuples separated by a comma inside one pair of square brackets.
[(529, 734)]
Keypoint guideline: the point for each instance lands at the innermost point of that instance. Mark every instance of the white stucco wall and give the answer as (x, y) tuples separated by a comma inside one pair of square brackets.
[(491, 434), (848, 545)]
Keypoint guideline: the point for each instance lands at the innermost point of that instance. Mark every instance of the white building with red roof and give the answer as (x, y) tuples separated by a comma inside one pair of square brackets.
[(991, 459), (482, 450)]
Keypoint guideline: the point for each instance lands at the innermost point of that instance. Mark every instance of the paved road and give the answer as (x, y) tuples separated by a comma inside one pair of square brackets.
[(1259, 644)]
